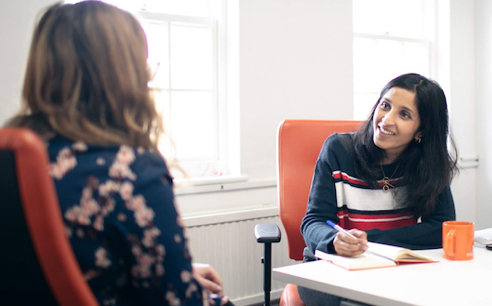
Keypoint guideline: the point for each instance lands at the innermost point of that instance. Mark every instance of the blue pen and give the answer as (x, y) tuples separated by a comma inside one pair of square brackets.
[(339, 228)]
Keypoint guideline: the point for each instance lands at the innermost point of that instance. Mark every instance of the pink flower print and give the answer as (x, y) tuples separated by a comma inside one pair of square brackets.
[(192, 288), (144, 216), (65, 161), (68, 231), (70, 215), (177, 238), (172, 299), (99, 223), (149, 236), (126, 190), (159, 270), (109, 206), (146, 260), (83, 219), (86, 194), (160, 250), (136, 203), (55, 171), (77, 214), (100, 161), (136, 251), (102, 258), (186, 276), (142, 268), (120, 170), (121, 217), (108, 187), (125, 155), (79, 146), (90, 274), (80, 233), (90, 207)]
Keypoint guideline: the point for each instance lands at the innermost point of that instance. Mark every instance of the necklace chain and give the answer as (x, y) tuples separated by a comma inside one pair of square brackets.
[(386, 180)]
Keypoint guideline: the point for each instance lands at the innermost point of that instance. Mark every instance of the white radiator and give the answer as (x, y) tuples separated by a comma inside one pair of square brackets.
[(231, 248)]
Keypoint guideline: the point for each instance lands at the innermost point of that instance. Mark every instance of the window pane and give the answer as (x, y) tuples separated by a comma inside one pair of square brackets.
[(161, 98), (365, 66), (195, 8), (416, 58), (128, 5), (402, 18), (191, 57), (158, 42), (363, 104), (193, 125), (389, 59)]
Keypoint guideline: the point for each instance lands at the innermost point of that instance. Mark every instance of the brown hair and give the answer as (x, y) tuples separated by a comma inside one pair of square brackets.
[(87, 77)]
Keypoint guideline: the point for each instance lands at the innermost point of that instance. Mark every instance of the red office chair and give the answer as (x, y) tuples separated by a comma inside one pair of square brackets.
[(298, 145), (38, 264)]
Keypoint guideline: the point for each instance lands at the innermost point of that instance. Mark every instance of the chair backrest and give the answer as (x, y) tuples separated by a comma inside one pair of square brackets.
[(38, 263), (298, 145)]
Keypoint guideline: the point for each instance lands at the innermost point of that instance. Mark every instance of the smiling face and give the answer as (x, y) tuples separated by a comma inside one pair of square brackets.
[(395, 122)]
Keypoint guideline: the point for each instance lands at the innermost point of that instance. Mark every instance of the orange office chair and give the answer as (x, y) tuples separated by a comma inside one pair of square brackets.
[(298, 145), (38, 264)]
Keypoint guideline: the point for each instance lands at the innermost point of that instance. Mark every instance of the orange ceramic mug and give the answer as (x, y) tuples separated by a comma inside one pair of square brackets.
[(457, 240)]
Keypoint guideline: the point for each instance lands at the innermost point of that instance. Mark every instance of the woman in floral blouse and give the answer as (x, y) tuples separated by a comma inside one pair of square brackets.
[(85, 92)]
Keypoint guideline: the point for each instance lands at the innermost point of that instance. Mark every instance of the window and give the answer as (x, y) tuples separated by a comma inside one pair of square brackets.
[(390, 38), (187, 55)]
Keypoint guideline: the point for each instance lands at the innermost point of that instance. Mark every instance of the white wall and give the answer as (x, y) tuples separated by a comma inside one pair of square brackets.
[(16, 26), (483, 110), (295, 62), (461, 96)]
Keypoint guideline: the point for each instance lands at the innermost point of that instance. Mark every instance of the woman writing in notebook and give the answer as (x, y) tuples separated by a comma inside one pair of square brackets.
[(389, 182), (86, 93)]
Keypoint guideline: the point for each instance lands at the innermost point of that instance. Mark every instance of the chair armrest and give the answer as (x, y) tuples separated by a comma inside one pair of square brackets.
[(267, 233)]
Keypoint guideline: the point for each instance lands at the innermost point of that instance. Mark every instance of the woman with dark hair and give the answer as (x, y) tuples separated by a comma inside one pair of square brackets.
[(86, 94), (389, 182)]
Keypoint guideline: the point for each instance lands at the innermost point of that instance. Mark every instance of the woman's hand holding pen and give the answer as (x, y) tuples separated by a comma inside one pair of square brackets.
[(210, 280), (350, 245)]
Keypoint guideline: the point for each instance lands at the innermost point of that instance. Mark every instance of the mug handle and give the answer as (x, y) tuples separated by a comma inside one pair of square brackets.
[(450, 242)]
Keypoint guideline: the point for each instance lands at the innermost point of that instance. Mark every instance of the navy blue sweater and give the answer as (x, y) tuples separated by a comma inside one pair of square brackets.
[(337, 194)]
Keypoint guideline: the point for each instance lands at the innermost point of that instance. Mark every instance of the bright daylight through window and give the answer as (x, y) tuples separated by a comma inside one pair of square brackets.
[(184, 57), (390, 38)]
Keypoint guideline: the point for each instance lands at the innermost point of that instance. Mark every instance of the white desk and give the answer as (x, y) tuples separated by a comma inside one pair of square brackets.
[(444, 283)]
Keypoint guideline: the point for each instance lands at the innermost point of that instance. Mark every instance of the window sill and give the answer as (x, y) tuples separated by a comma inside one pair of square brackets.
[(218, 184)]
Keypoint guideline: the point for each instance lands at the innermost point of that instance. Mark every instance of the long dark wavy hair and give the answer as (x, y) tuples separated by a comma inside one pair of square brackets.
[(428, 167)]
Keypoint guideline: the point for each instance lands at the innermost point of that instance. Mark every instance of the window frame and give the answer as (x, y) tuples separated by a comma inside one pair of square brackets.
[(428, 40)]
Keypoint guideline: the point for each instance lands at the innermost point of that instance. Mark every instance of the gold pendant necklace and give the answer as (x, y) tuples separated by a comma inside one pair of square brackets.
[(386, 180)]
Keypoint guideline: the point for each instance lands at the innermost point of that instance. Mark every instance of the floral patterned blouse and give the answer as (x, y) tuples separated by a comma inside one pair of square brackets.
[(119, 212)]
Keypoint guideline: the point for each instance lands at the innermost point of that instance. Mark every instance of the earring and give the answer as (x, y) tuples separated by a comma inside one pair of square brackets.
[(418, 140)]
